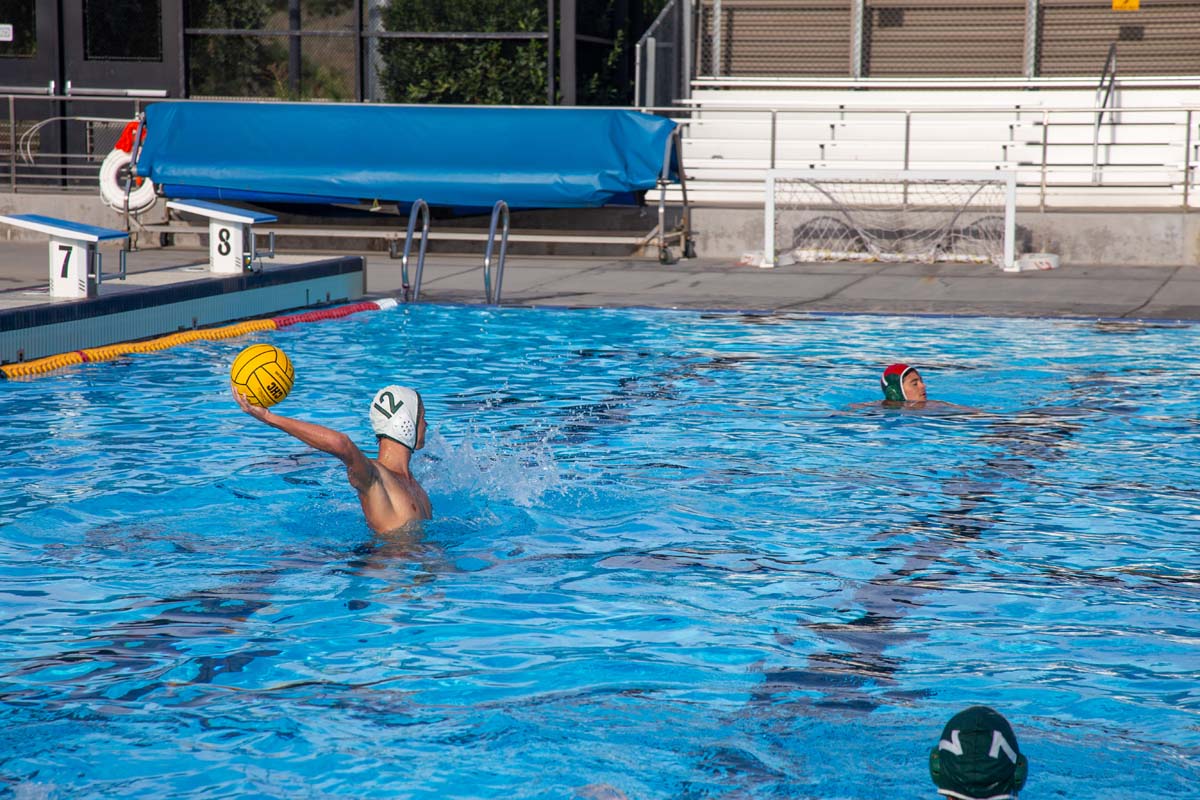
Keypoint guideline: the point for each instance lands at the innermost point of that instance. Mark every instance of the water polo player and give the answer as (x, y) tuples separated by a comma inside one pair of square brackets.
[(977, 757), (390, 496), (902, 384), (904, 389)]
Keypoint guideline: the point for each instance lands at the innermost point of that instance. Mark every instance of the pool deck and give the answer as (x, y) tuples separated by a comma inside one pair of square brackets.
[(1133, 292), (954, 289)]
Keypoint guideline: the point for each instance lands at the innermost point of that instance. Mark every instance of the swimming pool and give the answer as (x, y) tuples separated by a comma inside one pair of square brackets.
[(665, 560)]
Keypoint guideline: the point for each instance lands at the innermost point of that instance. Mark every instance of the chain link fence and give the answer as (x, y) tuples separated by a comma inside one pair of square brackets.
[(1160, 38), (662, 65), (944, 38), (763, 38)]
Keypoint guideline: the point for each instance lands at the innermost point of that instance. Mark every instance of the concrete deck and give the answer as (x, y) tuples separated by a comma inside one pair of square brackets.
[(1143, 292)]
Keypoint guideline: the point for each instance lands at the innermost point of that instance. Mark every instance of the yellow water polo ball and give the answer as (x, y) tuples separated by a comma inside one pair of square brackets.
[(263, 373)]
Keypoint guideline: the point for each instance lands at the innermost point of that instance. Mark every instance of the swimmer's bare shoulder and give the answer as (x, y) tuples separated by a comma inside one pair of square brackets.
[(404, 489), (392, 500), (926, 406), (942, 407)]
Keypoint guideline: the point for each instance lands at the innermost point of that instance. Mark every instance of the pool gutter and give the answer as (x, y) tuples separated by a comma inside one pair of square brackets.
[(168, 301)]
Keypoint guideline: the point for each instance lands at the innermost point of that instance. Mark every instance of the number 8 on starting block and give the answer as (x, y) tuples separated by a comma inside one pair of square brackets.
[(231, 249)]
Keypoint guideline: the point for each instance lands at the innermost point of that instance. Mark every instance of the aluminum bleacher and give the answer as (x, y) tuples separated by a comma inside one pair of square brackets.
[(1145, 152)]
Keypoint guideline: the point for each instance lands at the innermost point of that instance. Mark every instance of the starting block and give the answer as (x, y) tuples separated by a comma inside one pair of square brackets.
[(76, 268), (232, 249)]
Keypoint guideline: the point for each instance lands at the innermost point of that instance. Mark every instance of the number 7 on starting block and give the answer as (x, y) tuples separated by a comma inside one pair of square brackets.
[(75, 269)]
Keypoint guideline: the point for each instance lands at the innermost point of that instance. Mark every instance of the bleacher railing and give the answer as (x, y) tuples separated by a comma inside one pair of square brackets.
[(1149, 154), (1104, 93)]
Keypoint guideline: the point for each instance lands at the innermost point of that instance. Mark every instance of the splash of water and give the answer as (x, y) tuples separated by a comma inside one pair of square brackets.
[(489, 464)]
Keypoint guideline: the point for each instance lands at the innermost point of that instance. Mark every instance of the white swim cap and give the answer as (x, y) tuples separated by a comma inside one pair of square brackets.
[(394, 414)]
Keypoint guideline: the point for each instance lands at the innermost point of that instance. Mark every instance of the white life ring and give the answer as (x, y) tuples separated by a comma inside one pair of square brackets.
[(112, 184)]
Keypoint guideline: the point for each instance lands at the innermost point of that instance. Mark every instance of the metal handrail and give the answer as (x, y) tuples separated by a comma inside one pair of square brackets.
[(687, 246), (498, 210), (1107, 76), (134, 151), (25, 142), (1187, 160), (256, 255), (422, 208), (12, 137), (1044, 158), (101, 275), (685, 220)]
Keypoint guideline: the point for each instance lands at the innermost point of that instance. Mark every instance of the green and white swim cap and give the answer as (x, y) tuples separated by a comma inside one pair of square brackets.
[(977, 757), (395, 411)]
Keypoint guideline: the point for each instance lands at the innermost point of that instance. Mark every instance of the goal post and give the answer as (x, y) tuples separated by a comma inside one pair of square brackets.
[(890, 215)]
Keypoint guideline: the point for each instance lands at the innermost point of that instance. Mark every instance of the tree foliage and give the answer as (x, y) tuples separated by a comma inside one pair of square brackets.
[(416, 70), (233, 66), (477, 71), (481, 71), (602, 77)]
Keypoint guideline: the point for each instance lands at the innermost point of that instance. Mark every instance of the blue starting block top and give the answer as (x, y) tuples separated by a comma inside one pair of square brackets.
[(221, 212), (62, 228)]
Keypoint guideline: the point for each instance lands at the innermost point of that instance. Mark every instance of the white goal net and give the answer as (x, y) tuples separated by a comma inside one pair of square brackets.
[(898, 215)]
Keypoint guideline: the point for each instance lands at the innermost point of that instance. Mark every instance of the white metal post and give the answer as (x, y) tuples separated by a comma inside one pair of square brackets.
[(685, 45), (1031, 38), (1010, 221), (716, 65), (858, 10), (637, 74), (768, 259), (651, 71)]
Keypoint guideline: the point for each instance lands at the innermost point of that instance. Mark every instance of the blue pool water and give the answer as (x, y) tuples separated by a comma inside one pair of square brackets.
[(666, 561)]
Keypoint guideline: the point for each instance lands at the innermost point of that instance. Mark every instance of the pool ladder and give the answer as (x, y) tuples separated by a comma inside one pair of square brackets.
[(499, 210), (413, 292), (500, 215)]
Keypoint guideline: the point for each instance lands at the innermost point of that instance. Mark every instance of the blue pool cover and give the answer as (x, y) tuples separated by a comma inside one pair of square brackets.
[(448, 156)]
